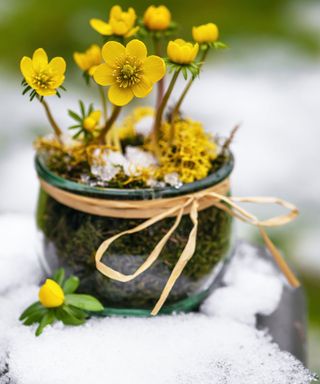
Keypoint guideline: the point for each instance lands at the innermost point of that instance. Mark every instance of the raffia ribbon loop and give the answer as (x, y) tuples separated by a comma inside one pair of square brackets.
[(116, 275), (160, 209)]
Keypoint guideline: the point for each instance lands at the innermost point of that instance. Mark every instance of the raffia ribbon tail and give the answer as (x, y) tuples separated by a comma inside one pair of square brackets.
[(282, 264)]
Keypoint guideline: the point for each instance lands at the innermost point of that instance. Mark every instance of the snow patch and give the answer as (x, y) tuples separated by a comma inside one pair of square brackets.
[(218, 345)]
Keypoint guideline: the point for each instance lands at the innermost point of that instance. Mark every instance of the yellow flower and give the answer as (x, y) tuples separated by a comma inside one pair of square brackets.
[(129, 71), (89, 60), (157, 18), (181, 52), (120, 23), (207, 33), (51, 294), (90, 122), (43, 76)]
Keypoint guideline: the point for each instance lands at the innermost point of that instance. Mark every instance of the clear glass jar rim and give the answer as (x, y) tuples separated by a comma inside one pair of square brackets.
[(133, 194)]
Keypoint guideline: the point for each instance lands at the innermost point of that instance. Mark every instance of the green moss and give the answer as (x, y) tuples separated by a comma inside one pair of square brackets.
[(72, 237)]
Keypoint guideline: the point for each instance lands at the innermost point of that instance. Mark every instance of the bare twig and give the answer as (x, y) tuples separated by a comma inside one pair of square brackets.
[(230, 139)]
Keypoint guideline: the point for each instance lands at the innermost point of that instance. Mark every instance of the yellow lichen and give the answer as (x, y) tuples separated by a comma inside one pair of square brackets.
[(191, 152)]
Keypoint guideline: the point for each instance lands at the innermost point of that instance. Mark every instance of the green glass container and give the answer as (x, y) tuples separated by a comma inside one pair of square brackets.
[(69, 239)]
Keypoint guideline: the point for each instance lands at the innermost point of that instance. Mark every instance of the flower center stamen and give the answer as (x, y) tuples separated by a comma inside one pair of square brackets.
[(42, 80), (128, 72)]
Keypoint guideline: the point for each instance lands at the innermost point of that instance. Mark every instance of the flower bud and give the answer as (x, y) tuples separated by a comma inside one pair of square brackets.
[(207, 33), (90, 122), (181, 52), (157, 18), (89, 60), (51, 294)]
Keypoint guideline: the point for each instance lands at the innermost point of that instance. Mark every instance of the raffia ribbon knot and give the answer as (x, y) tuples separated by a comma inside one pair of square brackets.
[(159, 209)]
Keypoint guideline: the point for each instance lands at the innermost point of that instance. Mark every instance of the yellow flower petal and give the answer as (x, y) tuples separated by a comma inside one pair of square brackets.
[(119, 27), (93, 69), (39, 59), (154, 68), (132, 15), (115, 12), (180, 41), (103, 75), (143, 88), (45, 92), (80, 60), (111, 51), (132, 32), (120, 96), (26, 67), (136, 48), (101, 27), (58, 65), (56, 81), (96, 115)]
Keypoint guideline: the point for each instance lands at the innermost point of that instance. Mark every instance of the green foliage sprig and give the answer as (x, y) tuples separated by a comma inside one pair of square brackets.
[(74, 309)]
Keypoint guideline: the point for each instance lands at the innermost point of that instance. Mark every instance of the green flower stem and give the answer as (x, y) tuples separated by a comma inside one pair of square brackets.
[(109, 123), (52, 122), (188, 86), (103, 102), (160, 110), (160, 85)]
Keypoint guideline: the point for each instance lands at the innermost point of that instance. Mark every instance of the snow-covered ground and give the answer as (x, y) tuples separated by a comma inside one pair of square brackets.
[(218, 345)]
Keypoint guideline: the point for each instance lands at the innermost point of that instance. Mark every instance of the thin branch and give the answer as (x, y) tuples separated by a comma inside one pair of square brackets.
[(109, 123), (231, 137), (52, 122)]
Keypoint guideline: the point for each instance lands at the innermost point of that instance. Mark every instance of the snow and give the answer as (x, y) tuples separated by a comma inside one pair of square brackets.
[(107, 163), (218, 345)]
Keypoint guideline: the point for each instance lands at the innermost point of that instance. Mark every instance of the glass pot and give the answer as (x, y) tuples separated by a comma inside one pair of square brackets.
[(69, 239)]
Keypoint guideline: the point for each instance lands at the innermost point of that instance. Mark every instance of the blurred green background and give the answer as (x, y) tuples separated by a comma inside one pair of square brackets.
[(61, 27)]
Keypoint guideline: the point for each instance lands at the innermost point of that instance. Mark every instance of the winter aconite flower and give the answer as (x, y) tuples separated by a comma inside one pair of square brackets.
[(128, 71), (206, 33), (51, 294), (120, 23), (91, 122), (59, 302), (43, 76), (88, 60), (157, 18), (87, 122), (182, 52)]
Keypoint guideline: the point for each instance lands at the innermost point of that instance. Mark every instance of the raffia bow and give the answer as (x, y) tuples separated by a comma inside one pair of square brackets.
[(159, 209)]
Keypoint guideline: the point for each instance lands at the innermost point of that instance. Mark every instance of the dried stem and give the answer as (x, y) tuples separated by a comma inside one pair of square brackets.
[(109, 123), (53, 123), (160, 110), (160, 85), (230, 139), (103, 102)]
